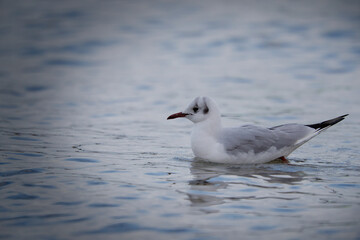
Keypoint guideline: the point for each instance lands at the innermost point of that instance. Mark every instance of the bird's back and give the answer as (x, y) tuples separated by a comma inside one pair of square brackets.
[(259, 139)]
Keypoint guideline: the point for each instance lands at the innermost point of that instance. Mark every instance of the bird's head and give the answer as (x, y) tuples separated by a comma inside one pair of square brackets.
[(199, 110)]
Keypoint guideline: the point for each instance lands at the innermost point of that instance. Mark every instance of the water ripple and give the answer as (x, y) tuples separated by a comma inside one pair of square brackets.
[(74, 203), (22, 196), (125, 227), (39, 185), (5, 183), (25, 139), (82, 160), (20, 172), (103, 205)]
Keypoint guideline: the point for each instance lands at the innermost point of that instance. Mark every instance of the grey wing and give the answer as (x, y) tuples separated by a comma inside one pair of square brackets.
[(292, 134), (248, 138), (258, 139)]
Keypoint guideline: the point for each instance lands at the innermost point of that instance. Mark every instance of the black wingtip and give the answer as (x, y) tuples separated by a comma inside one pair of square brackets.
[(328, 122)]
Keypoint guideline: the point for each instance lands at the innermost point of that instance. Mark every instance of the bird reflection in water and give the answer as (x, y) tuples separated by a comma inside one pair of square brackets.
[(252, 181)]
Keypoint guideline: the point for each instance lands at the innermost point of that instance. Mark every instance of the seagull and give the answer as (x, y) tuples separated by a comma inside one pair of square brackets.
[(245, 144)]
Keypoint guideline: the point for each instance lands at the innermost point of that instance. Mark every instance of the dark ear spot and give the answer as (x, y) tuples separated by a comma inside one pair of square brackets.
[(206, 109)]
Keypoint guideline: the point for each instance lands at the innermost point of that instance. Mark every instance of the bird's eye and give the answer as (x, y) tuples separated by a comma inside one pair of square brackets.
[(195, 109)]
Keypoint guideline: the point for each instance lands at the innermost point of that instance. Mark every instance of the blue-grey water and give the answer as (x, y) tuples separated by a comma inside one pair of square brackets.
[(85, 89)]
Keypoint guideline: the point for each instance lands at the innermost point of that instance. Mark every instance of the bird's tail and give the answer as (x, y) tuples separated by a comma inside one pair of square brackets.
[(319, 127), (326, 124)]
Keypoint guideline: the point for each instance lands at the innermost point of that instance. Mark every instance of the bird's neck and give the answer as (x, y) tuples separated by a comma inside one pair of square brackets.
[(204, 137), (211, 127)]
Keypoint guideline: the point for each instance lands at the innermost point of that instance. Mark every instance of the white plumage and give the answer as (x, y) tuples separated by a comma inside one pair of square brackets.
[(245, 144)]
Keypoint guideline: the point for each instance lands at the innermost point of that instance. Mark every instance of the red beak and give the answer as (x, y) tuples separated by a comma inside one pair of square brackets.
[(177, 115)]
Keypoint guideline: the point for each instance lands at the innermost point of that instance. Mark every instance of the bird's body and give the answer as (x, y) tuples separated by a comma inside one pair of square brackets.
[(249, 144), (245, 144)]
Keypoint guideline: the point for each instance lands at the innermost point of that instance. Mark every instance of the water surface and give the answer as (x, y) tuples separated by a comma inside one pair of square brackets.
[(87, 153)]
